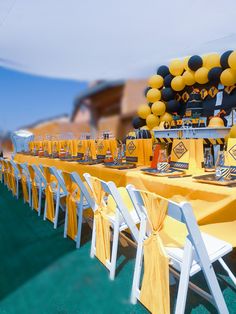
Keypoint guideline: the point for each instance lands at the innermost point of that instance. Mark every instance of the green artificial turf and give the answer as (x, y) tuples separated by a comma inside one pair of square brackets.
[(42, 273)]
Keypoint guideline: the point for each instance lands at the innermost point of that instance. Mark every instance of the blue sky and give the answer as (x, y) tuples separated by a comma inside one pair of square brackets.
[(25, 99)]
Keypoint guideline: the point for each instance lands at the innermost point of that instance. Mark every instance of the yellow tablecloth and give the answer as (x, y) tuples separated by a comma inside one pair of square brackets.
[(211, 204)]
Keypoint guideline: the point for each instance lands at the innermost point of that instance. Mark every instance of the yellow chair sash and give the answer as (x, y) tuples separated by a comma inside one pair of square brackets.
[(49, 195), (102, 224), (12, 179), (34, 188), (71, 198), (24, 188), (155, 285)]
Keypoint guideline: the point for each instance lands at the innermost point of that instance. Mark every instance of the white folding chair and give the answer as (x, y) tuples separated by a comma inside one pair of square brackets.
[(16, 175), (1, 170), (41, 183), (120, 220), (199, 252), (25, 170), (85, 201), (59, 191), (6, 173)]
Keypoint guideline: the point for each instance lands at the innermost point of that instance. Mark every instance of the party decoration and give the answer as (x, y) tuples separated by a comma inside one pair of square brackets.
[(158, 108), (156, 81), (138, 122), (152, 121), (166, 117), (144, 111), (188, 77), (188, 88), (212, 60), (144, 132), (216, 122), (232, 60), (167, 80), (163, 70), (164, 125), (185, 63), (178, 83), (201, 75), (224, 59), (167, 94), (153, 95), (195, 62), (176, 67), (228, 77), (214, 75), (172, 106)]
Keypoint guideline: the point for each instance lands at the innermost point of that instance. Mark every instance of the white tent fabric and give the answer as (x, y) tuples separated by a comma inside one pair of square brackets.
[(108, 39)]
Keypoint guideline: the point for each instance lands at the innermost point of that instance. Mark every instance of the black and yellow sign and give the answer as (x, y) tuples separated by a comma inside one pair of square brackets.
[(185, 96), (131, 147), (213, 91), (179, 150), (203, 93)]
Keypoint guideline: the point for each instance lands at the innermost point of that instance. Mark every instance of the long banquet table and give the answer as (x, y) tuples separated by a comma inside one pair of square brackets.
[(211, 203)]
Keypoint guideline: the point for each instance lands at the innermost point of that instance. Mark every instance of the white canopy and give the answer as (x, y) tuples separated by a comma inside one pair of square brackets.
[(107, 39)]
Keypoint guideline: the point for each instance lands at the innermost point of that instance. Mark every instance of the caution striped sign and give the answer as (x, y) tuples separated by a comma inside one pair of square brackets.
[(207, 141)]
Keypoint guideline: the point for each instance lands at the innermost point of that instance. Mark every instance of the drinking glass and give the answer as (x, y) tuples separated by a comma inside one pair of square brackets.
[(162, 163), (208, 158)]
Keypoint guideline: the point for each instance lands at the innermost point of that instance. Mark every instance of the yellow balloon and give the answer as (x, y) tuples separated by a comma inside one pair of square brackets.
[(178, 83), (204, 59), (153, 95), (232, 60), (152, 121), (156, 81), (232, 132), (143, 111), (212, 60), (201, 75), (158, 108), (166, 117), (228, 77), (188, 77), (185, 63), (176, 67)]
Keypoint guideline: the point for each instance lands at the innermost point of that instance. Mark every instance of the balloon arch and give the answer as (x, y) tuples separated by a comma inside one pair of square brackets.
[(170, 90)]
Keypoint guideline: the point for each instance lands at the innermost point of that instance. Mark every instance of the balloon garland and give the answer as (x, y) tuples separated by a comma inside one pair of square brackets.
[(168, 89)]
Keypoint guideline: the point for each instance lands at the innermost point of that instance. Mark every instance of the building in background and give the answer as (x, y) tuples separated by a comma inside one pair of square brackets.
[(56, 126), (104, 105), (109, 106)]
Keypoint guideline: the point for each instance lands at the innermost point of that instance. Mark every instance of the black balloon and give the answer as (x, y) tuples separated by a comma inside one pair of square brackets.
[(163, 70), (172, 106), (224, 59), (138, 122), (167, 94), (214, 74), (146, 90), (167, 80), (195, 62)]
